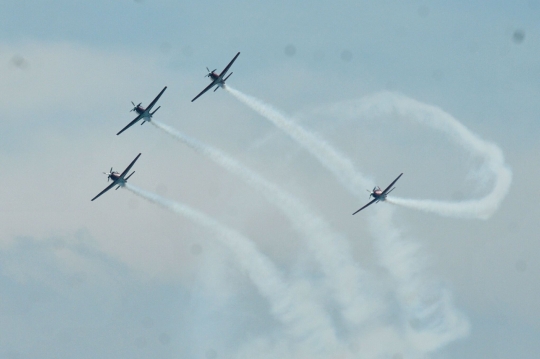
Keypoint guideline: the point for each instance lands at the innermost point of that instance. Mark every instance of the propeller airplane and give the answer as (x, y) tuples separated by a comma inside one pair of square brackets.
[(143, 113), (378, 194), (218, 80), (119, 179)]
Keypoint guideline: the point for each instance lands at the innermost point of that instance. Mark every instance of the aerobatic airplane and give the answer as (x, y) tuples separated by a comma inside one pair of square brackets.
[(144, 113), (378, 194), (217, 80), (119, 179)]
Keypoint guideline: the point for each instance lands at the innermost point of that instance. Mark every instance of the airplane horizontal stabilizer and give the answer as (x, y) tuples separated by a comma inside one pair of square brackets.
[(155, 110)]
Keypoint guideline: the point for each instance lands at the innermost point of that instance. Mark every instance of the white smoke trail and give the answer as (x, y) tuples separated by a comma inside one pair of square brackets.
[(491, 155), (302, 317), (388, 103), (401, 258), (343, 278), (430, 319), (337, 163)]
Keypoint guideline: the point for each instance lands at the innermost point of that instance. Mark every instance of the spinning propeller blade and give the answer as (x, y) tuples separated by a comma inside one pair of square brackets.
[(135, 106), (209, 72)]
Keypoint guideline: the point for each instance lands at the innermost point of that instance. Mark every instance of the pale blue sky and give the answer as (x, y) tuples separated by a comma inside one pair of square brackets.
[(122, 278)]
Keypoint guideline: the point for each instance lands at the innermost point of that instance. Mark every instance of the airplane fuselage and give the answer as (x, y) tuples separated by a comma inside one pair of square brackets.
[(215, 77), (377, 194), (115, 177), (146, 116)]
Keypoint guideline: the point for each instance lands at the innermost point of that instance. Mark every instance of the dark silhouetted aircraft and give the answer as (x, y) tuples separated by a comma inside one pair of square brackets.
[(144, 113), (378, 194), (119, 179), (217, 80)]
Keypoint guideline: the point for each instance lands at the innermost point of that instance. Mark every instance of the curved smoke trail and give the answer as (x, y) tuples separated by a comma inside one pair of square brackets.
[(343, 277), (302, 317), (431, 319), (492, 157)]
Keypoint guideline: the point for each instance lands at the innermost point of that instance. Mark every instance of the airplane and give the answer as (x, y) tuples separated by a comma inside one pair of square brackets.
[(217, 80), (378, 194), (144, 113), (119, 179)]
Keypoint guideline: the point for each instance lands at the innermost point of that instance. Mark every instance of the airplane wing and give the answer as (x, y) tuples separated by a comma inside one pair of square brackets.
[(105, 190), (130, 165), (372, 201), (206, 89), (130, 124), (228, 66), (391, 184), (155, 100)]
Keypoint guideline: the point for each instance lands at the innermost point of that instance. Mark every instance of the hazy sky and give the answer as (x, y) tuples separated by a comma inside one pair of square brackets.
[(275, 266)]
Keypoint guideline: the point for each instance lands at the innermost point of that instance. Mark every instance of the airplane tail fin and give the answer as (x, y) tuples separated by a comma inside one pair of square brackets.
[(155, 111), (129, 175)]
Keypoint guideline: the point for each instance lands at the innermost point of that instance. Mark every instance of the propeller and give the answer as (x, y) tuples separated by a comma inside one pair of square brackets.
[(108, 174), (134, 106), (209, 72), (370, 193)]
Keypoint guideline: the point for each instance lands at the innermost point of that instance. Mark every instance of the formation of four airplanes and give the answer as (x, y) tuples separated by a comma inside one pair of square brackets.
[(218, 80)]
